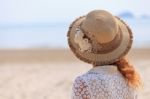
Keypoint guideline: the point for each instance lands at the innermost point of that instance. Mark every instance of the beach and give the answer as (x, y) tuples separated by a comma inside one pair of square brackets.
[(49, 73)]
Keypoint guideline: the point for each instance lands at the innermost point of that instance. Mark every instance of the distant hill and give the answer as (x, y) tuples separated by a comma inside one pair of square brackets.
[(129, 15), (145, 17), (126, 15)]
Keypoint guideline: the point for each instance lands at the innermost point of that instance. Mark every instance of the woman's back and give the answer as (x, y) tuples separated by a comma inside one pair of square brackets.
[(102, 82)]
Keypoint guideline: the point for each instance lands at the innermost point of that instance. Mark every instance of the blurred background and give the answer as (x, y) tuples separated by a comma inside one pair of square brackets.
[(35, 60)]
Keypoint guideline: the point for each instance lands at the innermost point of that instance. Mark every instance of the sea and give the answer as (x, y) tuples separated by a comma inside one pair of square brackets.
[(54, 35)]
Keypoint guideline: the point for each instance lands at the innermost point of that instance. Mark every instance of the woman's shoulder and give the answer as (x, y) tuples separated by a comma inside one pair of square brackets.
[(87, 76), (101, 75), (100, 72)]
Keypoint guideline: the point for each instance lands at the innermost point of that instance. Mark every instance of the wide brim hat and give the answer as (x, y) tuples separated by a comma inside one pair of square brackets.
[(105, 53)]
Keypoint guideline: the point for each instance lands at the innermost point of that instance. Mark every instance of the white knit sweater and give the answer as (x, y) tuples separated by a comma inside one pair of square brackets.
[(102, 82)]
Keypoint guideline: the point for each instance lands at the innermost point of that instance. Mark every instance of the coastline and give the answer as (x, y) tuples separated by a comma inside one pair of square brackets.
[(55, 55)]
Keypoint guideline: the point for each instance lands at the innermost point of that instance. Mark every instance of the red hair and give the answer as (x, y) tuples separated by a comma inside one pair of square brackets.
[(129, 73)]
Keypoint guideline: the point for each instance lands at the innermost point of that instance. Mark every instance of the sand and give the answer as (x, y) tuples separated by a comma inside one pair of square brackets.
[(48, 74)]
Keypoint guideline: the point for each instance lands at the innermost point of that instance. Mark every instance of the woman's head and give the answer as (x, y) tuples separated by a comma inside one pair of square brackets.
[(99, 38)]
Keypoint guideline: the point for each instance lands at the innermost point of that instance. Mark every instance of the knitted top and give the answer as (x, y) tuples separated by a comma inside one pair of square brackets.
[(102, 82)]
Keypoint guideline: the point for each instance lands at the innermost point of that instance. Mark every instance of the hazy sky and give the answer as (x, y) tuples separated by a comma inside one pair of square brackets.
[(20, 11)]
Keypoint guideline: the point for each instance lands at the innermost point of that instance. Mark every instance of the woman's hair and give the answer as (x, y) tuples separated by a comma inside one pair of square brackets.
[(129, 73)]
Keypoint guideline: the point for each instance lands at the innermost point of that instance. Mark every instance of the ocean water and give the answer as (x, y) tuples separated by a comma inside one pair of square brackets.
[(53, 35)]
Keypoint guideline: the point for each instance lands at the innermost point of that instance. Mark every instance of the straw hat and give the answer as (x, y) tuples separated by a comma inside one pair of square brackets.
[(99, 38)]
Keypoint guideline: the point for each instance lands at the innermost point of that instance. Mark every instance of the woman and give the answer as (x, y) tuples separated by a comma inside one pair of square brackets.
[(103, 40)]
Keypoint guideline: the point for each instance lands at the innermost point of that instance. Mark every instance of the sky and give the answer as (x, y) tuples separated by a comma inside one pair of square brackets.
[(28, 11)]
